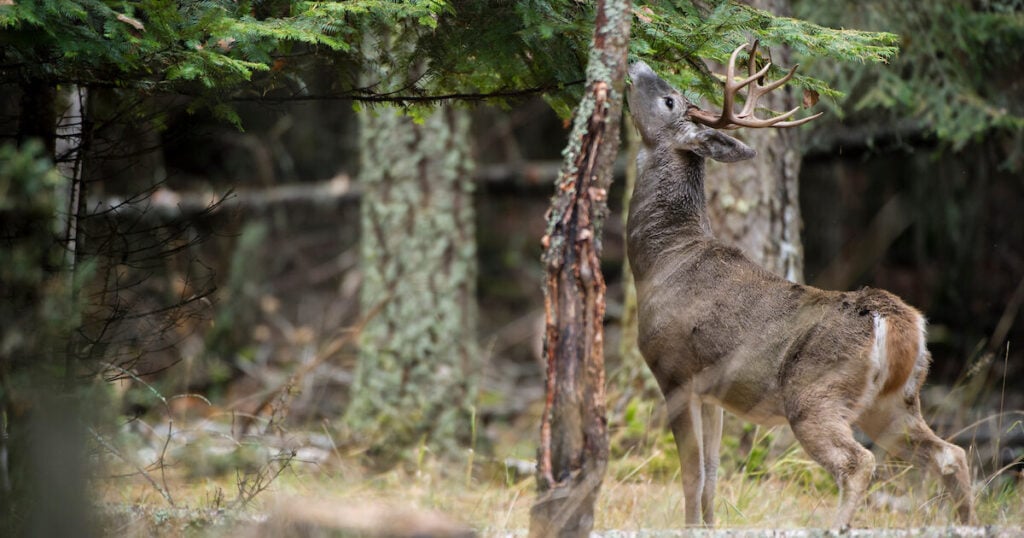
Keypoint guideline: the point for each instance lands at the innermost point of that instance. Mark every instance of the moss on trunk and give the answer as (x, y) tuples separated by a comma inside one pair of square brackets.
[(414, 381)]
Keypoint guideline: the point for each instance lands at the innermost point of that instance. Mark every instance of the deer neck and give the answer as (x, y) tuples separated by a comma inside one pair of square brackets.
[(668, 205)]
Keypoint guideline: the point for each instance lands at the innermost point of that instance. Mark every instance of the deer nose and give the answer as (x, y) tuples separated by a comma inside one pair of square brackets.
[(640, 69)]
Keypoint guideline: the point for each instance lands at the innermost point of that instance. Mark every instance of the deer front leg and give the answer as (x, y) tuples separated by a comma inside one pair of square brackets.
[(685, 419), (828, 439), (712, 430)]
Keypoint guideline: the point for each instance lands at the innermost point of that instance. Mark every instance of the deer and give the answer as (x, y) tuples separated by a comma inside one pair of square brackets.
[(720, 333)]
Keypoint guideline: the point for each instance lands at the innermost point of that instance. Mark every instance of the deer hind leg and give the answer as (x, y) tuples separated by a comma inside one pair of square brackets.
[(711, 417), (895, 423), (828, 439), (684, 411)]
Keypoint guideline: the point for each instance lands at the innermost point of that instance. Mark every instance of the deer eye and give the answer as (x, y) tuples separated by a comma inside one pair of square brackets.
[(670, 103)]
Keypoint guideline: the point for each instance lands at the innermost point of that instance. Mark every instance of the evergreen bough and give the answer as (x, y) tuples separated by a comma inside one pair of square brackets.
[(224, 50)]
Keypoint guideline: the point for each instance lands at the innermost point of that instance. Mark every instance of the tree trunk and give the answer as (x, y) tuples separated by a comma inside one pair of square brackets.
[(573, 450), (43, 464), (755, 204), (70, 150), (38, 117), (418, 353)]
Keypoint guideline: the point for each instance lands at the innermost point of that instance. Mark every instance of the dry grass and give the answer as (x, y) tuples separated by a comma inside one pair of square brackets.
[(765, 480), (787, 491)]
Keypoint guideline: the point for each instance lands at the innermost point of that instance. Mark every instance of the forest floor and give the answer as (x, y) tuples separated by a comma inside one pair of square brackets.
[(777, 487), (216, 472)]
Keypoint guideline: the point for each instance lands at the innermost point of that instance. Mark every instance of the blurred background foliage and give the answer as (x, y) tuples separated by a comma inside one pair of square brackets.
[(955, 78), (215, 294)]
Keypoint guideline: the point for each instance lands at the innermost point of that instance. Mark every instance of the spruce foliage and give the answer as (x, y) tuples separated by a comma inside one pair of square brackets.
[(958, 74), (220, 50), (674, 36)]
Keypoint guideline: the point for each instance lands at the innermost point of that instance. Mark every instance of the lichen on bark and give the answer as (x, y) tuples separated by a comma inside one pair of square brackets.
[(414, 380)]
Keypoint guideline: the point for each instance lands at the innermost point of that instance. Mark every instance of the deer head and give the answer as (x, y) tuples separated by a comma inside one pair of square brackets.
[(666, 118)]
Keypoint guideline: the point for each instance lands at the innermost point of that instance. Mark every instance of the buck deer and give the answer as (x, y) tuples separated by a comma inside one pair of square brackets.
[(718, 331)]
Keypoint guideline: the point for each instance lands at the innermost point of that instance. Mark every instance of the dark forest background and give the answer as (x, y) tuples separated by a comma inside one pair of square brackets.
[(218, 266)]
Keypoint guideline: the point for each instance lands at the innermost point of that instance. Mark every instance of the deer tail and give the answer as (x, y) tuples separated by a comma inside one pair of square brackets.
[(899, 350)]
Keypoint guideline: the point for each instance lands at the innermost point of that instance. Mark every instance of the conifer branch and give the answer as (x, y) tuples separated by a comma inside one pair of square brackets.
[(370, 97)]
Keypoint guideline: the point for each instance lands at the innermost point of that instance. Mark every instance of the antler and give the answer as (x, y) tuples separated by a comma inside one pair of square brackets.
[(746, 118)]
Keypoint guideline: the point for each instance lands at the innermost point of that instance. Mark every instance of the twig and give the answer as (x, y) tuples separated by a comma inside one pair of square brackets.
[(402, 100), (334, 446), (170, 424), (332, 347), (151, 388), (113, 450), (260, 480), (163, 452)]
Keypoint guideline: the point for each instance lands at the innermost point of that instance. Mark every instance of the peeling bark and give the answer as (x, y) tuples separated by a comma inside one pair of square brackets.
[(573, 451)]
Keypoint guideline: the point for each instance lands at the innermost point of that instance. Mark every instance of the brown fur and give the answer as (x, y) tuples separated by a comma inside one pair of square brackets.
[(902, 352), (720, 332), (903, 339)]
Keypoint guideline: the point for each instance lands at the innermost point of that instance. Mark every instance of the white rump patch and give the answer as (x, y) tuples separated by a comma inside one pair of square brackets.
[(879, 352), (920, 362)]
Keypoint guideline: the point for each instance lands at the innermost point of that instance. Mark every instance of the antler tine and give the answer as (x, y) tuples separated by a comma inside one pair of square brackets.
[(728, 119), (741, 121), (751, 69), (752, 72), (751, 64), (731, 83), (800, 121), (730, 88), (757, 89), (772, 85), (736, 86)]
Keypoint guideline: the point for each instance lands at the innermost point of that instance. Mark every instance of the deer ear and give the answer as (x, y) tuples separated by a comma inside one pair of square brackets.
[(714, 144)]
